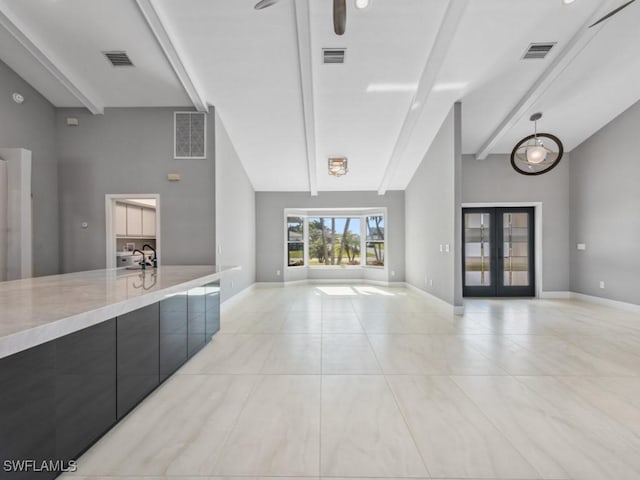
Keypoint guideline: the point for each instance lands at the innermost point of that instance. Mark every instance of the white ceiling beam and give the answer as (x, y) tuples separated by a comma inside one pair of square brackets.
[(303, 30), (573, 48), (21, 34), (444, 37), (179, 67)]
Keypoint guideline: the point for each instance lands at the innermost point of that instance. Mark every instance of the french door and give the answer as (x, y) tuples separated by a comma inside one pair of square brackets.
[(498, 252)]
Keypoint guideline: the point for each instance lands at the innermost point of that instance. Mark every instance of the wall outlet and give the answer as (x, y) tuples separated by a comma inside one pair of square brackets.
[(278, 272), (601, 284), (231, 283), (393, 273), (582, 246), (219, 249), (446, 248), (431, 282), (441, 248)]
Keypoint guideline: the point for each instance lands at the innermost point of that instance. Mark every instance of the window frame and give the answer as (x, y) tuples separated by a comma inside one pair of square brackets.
[(304, 240), (361, 213)]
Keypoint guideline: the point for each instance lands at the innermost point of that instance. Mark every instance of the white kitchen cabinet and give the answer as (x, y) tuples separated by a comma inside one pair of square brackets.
[(121, 219), (134, 221), (148, 222)]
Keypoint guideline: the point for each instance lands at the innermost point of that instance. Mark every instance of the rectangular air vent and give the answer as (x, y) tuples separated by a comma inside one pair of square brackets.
[(537, 51), (333, 55), (190, 135), (119, 59)]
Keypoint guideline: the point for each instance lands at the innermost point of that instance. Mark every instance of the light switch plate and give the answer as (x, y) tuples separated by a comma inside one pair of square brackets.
[(173, 177), (582, 246)]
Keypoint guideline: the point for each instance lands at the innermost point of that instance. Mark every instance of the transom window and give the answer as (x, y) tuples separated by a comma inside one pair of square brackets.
[(324, 239)]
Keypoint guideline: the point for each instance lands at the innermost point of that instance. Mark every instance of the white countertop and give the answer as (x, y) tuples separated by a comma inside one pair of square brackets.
[(36, 310)]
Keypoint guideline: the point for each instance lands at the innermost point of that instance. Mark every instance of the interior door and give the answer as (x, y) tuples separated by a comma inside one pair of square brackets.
[(498, 252)]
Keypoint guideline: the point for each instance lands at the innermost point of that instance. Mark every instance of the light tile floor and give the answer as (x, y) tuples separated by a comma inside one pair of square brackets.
[(362, 381)]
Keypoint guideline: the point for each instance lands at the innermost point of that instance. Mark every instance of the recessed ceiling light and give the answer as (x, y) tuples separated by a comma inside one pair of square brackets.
[(362, 4), (392, 87), (568, 2)]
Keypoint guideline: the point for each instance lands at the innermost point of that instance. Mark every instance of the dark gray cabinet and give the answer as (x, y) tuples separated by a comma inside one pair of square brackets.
[(196, 320), (138, 356), (27, 409), (212, 304), (58, 398), (173, 334), (85, 396)]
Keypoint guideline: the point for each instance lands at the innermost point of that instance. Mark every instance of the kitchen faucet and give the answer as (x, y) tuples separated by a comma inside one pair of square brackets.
[(143, 262), (155, 254)]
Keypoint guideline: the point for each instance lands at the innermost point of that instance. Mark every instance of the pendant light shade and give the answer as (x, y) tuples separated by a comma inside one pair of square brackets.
[(537, 153)]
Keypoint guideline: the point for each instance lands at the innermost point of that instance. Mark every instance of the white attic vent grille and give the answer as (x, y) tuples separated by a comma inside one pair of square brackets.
[(119, 59), (333, 55), (190, 139), (537, 51)]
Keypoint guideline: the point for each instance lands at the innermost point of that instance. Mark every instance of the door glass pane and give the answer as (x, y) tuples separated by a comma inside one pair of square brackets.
[(477, 248), (516, 249)]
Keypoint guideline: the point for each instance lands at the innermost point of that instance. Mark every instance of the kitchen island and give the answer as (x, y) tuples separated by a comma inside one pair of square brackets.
[(79, 351)]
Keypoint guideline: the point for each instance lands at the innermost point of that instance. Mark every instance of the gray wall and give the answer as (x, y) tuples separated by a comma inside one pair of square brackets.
[(32, 126), (605, 211), (235, 215), (432, 205), (494, 181), (270, 233), (130, 150)]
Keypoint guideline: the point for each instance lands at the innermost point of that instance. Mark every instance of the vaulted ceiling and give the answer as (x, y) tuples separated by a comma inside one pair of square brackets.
[(286, 112)]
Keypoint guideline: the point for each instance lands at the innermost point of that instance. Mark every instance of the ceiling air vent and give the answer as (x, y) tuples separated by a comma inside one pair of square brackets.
[(538, 51), (333, 55), (119, 59)]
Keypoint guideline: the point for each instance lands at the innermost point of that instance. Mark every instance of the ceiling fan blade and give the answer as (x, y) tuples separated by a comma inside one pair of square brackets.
[(340, 16), (264, 4), (612, 13)]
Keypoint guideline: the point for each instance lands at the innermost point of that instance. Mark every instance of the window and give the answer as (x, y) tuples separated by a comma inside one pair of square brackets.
[(295, 241), (334, 241), (375, 240), (346, 238)]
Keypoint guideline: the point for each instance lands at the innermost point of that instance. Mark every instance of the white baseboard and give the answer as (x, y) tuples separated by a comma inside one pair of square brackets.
[(331, 281), (456, 310), (630, 307), (555, 295)]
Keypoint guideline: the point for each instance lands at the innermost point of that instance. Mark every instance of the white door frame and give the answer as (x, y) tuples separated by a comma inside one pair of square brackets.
[(538, 232), (110, 204), (19, 213)]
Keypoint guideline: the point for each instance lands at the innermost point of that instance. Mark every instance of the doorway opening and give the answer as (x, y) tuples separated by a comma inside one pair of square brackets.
[(498, 252), (132, 223)]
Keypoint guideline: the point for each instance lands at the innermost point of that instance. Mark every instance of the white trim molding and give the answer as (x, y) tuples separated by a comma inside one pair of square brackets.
[(555, 295), (607, 302), (455, 309)]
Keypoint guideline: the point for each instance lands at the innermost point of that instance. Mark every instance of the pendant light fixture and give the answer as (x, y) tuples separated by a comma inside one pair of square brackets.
[(537, 153), (338, 166)]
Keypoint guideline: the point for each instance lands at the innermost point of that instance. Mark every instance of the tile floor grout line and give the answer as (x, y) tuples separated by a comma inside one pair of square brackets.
[(395, 399), (223, 444), (493, 424)]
